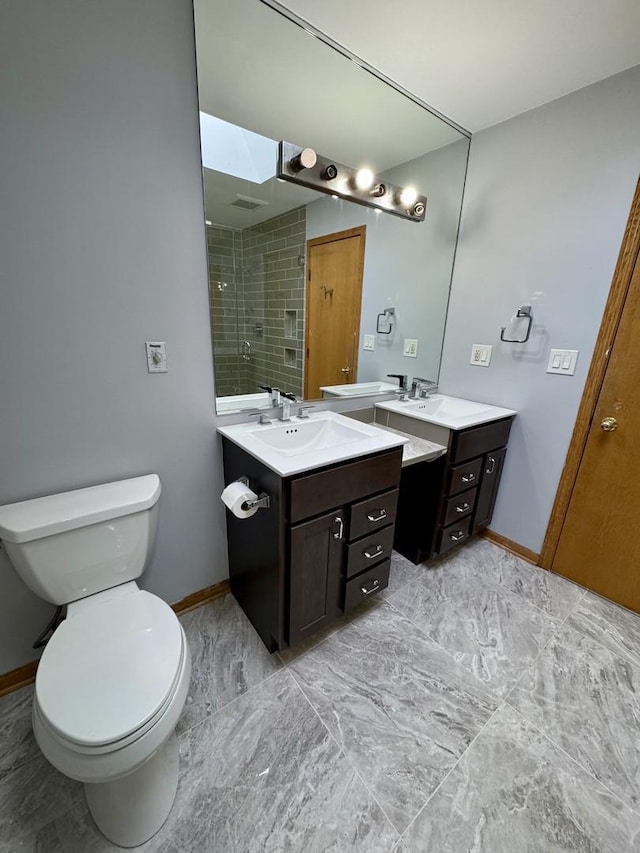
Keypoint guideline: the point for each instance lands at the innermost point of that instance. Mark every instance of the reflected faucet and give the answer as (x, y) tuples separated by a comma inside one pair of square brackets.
[(421, 388)]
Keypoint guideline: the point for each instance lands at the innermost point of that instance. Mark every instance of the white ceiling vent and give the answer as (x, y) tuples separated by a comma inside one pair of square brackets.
[(247, 203)]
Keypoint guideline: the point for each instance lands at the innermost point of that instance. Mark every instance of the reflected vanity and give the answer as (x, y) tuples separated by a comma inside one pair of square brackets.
[(298, 280)]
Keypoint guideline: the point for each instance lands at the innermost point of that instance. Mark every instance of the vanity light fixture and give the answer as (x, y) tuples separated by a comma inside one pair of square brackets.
[(364, 179), (304, 167)]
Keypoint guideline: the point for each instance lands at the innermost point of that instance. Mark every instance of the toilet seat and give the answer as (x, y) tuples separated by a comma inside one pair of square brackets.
[(109, 672)]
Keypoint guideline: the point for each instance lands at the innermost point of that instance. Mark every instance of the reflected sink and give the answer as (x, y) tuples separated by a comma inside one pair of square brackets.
[(302, 444), (450, 412)]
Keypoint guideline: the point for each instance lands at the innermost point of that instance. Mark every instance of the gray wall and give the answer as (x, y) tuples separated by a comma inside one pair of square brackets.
[(546, 202), (407, 264), (102, 247)]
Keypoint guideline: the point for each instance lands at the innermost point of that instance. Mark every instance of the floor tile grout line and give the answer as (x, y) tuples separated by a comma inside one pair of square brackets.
[(532, 568), (348, 760), (573, 760), (451, 769), (235, 699)]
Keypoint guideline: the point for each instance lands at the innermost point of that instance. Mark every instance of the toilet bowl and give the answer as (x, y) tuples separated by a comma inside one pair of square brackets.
[(113, 679)]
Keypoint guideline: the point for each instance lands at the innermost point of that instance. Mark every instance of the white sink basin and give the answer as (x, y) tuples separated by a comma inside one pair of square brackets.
[(358, 389), (302, 444), (450, 412)]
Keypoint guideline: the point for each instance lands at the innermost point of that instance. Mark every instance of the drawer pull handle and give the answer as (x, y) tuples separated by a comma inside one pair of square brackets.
[(463, 507), (337, 520), (371, 554), (374, 586), (492, 465), (382, 514), (457, 537), (468, 478)]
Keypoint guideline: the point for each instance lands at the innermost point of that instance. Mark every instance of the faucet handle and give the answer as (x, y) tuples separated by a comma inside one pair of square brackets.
[(303, 411), (262, 417)]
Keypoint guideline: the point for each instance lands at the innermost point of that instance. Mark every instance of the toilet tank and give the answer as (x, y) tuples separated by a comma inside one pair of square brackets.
[(71, 545)]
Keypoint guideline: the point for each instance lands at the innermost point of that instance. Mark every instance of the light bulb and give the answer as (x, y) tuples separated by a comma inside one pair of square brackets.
[(364, 179), (408, 196)]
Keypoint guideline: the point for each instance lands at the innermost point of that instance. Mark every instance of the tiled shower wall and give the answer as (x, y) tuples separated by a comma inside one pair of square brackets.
[(261, 301)]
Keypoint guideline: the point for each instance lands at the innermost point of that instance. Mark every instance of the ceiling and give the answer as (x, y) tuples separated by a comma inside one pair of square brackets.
[(483, 62)]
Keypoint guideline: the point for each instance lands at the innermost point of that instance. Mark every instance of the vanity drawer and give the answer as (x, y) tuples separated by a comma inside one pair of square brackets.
[(373, 514), (472, 442), (321, 491), (459, 507), (369, 551), (366, 585), (453, 535), (463, 477)]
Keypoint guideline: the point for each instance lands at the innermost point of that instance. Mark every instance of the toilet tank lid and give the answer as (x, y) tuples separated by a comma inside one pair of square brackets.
[(40, 517)]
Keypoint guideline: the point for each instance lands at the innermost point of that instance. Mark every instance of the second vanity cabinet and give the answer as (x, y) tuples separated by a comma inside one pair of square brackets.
[(321, 548), (443, 503)]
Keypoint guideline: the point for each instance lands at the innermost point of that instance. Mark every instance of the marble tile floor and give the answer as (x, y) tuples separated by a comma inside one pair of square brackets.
[(480, 704)]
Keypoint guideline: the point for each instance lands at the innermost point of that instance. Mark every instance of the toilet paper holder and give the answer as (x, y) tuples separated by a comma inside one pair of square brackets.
[(263, 502)]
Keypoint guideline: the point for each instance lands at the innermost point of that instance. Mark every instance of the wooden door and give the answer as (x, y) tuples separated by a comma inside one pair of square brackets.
[(599, 541), (317, 554), (335, 266)]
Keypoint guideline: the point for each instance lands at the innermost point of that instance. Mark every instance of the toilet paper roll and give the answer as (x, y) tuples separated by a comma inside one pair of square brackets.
[(235, 497)]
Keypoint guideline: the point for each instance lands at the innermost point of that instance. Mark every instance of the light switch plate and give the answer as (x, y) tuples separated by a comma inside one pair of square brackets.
[(410, 348), (562, 361), (369, 342), (481, 355), (156, 356)]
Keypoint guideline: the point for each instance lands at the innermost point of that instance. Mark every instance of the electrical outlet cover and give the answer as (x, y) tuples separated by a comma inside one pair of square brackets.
[(481, 355)]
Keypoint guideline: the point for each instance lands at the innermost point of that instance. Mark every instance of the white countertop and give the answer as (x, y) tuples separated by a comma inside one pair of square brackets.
[(334, 438), (450, 412)]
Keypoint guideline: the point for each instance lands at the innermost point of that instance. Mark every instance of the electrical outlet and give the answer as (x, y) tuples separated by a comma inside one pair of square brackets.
[(481, 355), (410, 348), (369, 342), (156, 356)]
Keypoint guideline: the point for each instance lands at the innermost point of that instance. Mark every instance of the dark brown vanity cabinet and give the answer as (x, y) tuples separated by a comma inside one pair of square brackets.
[(443, 503), (322, 547)]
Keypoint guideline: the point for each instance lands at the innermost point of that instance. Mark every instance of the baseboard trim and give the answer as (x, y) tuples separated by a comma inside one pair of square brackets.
[(203, 596), (25, 675), (509, 545)]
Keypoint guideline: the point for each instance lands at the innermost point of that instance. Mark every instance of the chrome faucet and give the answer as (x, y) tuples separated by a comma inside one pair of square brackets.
[(421, 388), (285, 405)]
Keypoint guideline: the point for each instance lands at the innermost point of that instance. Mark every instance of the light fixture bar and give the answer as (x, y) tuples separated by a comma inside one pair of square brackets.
[(336, 179)]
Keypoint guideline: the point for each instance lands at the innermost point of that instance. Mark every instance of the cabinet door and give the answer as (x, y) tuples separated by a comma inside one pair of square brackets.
[(488, 490), (316, 555)]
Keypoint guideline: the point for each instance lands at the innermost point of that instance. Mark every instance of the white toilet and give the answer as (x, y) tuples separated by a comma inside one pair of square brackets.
[(114, 677)]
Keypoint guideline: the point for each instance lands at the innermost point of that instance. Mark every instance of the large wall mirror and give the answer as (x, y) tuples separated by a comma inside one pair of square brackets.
[(313, 294)]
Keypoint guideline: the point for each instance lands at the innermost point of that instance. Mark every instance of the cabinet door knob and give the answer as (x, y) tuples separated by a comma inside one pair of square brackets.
[(371, 554), (468, 478), (609, 424), (382, 513)]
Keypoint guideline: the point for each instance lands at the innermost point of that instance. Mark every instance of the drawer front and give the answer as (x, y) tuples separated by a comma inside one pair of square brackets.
[(459, 507), (468, 443), (366, 585), (453, 535), (369, 551), (463, 477), (319, 492), (373, 514)]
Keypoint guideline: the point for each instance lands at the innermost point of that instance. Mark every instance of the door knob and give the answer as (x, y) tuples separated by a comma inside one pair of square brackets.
[(609, 424)]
